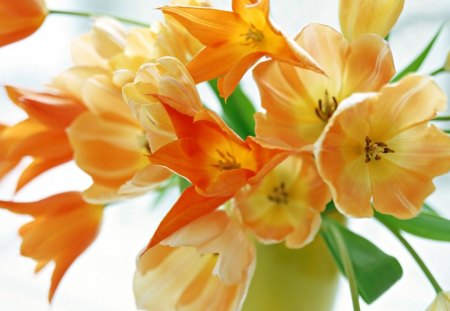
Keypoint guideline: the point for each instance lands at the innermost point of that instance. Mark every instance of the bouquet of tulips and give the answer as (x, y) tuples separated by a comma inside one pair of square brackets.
[(341, 134)]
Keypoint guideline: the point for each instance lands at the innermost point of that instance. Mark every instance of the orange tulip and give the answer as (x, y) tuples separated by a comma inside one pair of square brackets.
[(379, 148), (299, 103), (286, 204), (358, 17), (206, 265), (235, 41), (215, 160), (20, 18), (41, 136), (62, 228)]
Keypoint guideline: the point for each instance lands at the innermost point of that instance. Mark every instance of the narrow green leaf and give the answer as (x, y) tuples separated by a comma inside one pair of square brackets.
[(418, 61), (427, 224), (238, 111), (375, 271)]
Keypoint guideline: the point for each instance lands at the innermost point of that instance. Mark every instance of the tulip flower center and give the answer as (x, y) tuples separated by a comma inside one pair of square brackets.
[(374, 149), (326, 107), (253, 36), (143, 142), (279, 194), (226, 161)]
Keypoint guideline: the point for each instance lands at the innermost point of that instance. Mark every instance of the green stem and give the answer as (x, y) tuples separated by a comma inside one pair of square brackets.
[(90, 14), (442, 118), (348, 267), (416, 257), (437, 71)]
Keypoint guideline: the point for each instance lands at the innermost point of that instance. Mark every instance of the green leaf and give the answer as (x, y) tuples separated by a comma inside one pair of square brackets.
[(416, 63), (238, 111), (427, 224), (375, 271), (182, 183)]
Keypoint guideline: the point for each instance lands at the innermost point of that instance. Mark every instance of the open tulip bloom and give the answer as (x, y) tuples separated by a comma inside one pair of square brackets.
[(264, 196)]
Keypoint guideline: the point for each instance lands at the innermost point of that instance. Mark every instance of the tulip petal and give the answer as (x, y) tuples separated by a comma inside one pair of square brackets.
[(397, 191), (189, 207), (209, 26), (423, 149), (212, 62), (230, 80), (50, 109), (369, 65), (412, 100), (360, 17), (19, 19), (108, 151)]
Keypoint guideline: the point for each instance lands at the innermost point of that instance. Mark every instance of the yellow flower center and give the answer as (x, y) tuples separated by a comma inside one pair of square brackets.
[(326, 107), (253, 36), (226, 161), (374, 149), (279, 195)]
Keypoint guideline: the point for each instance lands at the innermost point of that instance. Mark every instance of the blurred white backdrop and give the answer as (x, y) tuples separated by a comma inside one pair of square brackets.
[(101, 279)]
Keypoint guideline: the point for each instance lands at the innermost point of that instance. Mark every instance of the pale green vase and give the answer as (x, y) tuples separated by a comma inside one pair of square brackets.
[(293, 279)]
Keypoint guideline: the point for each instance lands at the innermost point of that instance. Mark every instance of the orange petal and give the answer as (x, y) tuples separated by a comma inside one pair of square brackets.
[(189, 206), (64, 226), (397, 191), (209, 26), (375, 16), (51, 109), (328, 48), (55, 143), (39, 166), (231, 79), (369, 65), (146, 179), (423, 149), (341, 161), (412, 100), (108, 151), (19, 19), (213, 62), (253, 12)]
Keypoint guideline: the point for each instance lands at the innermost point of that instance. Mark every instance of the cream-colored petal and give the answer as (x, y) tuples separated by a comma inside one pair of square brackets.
[(104, 99), (195, 286), (423, 149), (84, 53), (72, 80), (108, 36)]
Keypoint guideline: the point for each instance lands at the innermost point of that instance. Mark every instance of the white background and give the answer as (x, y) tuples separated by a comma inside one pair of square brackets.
[(101, 278)]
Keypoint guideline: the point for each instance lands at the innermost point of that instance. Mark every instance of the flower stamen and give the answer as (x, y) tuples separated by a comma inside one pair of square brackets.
[(226, 162), (373, 150), (279, 195), (253, 36), (326, 107)]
